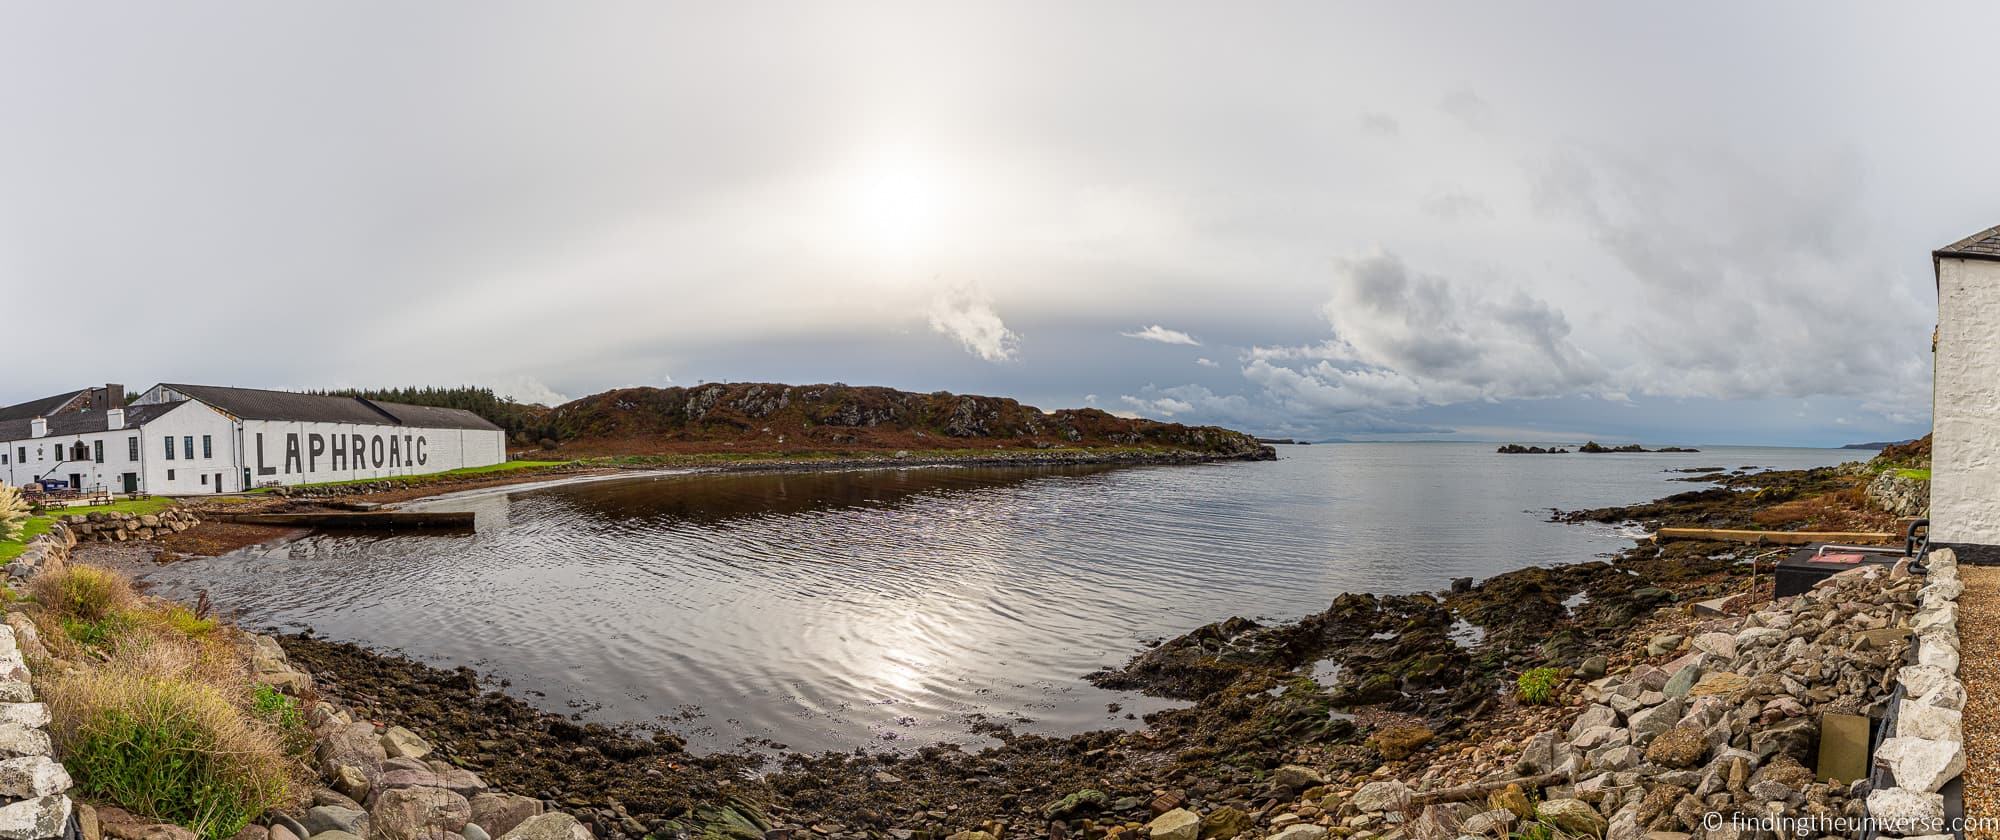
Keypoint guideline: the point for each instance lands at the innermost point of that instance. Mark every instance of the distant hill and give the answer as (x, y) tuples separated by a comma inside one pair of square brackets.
[(1883, 444), (766, 417)]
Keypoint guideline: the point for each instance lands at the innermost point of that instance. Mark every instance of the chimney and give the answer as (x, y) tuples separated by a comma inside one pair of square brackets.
[(38, 427), (114, 396), (114, 418)]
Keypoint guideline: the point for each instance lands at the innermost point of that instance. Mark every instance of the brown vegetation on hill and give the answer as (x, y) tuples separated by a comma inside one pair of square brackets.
[(769, 418)]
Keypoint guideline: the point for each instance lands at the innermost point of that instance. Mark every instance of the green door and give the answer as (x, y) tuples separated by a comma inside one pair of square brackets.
[(131, 482)]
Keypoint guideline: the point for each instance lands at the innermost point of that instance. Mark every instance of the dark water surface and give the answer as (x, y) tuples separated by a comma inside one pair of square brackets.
[(882, 607)]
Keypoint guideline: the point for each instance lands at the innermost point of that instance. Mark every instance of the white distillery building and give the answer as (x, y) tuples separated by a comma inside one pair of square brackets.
[(1965, 398), (193, 439)]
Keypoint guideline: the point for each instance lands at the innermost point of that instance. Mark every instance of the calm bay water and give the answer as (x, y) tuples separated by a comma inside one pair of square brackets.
[(885, 607)]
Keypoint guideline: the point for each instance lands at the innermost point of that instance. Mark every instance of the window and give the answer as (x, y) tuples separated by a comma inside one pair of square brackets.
[(170, 475), (97, 451), (132, 448), (24, 455), (170, 447), (207, 446), (187, 446), (204, 479)]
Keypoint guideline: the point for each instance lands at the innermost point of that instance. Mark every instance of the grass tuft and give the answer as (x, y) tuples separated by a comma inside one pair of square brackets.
[(167, 748), (1537, 686), (83, 593)]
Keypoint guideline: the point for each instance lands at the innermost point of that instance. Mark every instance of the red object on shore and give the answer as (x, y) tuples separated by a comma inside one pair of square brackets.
[(1837, 558)]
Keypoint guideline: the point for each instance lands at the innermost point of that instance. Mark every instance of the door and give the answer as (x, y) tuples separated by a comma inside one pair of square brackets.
[(76, 481), (218, 482), (131, 482)]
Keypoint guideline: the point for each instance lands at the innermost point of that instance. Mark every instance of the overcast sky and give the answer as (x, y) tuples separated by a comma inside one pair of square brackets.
[(1675, 223)]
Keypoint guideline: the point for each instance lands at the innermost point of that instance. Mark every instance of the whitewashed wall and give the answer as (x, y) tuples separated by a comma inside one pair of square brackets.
[(183, 476), (1965, 454), (291, 452), (192, 419)]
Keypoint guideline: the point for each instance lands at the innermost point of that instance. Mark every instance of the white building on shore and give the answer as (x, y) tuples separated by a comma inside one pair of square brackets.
[(194, 439), (1965, 399)]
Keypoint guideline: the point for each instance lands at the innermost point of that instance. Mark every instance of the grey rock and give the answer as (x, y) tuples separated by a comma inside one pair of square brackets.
[(32, 777), (335, 818), (559, 826)]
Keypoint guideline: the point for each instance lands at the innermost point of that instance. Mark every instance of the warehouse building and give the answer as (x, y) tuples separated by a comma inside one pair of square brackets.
[(193, 439)]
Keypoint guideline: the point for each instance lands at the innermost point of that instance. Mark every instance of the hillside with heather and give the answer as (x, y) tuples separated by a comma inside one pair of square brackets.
[(763, 417)]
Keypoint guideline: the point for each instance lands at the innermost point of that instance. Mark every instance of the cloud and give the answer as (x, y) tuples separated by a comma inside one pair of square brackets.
[(1163, 336), (965, 313), (1468, 108), (1206, 362), (1453, 205), (1380, 124), (527, 389), (1457, 341), (1756, 277)]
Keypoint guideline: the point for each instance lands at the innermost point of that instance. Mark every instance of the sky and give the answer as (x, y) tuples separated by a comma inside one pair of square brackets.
[(1686, 223)]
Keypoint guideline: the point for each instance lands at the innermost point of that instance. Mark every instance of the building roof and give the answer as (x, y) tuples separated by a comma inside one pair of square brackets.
[(37, 408), (258, 404), (82, 422), (1984, 245)]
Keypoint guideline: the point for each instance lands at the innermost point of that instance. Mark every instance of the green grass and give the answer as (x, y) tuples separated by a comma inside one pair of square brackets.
[(1537, 686), (274, 706), (160, 748), (503, 467), (1920, 475), (39, 524)]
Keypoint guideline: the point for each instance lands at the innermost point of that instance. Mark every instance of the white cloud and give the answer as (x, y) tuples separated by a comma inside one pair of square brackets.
[(527, 389), (965, 313), (1163, 336), (1206, 362)]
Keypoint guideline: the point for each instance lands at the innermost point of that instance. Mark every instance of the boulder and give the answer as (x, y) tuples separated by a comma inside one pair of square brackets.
[(499, 813), (1905, 812), (326, 818), (1650, 723), (1596, 715), (1381, 797), (1572, 815), (1915, 719), (1225, 822), (1721, 645), (1177, 824), (1293, 778), (18, 740), (1493, 823), (1921, 764), (39, 818), (551, 826), (32, 777), (419, 814), (398, 742), (1719, 684), (1682, 746), (1301, 831)]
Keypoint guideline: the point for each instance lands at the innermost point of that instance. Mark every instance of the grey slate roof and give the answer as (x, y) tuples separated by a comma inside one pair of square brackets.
[(1984, 245), (37, 408), (82, 422), (258, 404)]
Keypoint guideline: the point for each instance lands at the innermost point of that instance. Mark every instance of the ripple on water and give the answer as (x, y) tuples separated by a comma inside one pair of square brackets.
[(830, 610)]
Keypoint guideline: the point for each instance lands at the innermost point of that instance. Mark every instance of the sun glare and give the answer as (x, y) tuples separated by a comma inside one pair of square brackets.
[(896, 205)]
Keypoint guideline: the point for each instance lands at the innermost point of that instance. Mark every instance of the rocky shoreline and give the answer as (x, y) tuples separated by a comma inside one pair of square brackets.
[(1418, 690), (1381, 717)]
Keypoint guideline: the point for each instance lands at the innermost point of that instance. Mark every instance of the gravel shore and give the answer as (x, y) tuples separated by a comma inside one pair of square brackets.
[(1979, 667)]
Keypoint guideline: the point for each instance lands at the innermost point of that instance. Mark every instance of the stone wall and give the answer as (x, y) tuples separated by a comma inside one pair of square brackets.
[(1927, 749), (33, 785), (112, 526), (1899, 494)]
